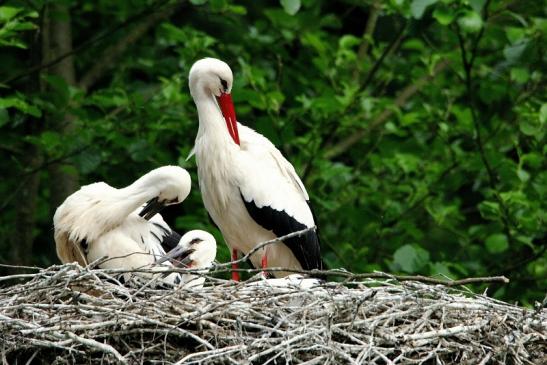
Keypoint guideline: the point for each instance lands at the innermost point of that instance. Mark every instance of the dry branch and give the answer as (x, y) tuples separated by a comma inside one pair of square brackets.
[(401, 99), (51, 317)]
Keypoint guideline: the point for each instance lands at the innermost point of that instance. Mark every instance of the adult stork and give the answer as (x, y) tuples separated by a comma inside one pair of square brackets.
[(250, 190), (122, 224)]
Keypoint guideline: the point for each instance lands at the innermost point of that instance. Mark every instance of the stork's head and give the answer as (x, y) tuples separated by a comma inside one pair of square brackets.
[(202, 246), (196, 249), (210, 77), (172, 185)]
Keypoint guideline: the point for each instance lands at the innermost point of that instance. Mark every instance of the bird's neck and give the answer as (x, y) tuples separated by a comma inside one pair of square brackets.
[(211, 122), (135, 195), (215, 151)]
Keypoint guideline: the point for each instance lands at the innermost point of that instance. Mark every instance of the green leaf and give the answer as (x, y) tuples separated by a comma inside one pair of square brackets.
[(514, 34), (198, 2), (418, 7), (17, 102), (489, 210), (89, 160), (218, 5), (520, 75), (411, 258), (237, 9), (291, 6), (443, 14), (51, 142), (513, 52), (523, 175), (348, 41), (8, 12), (470, 21), (477, 5), (540, 184), (4, 117), (497, 243), (440, 268), (543, 114), (530, 127), (60, 89), (138, 150)]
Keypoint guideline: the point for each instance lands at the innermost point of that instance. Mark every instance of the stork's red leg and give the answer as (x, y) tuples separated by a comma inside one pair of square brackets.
[(235, 274), (264, 264)]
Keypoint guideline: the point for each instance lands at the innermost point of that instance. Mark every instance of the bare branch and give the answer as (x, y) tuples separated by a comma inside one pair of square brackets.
[(98, 346), (401, 99), (111, 54), (367, 35), (396, 40), (92, 42)]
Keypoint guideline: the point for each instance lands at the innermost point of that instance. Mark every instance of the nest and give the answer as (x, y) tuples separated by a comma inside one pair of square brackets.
[(69, 314)]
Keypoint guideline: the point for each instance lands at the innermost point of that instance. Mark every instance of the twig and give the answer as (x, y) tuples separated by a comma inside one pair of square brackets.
[(86, 44), (110, 54), (98, 346), (369, 29), (367, 35), (396, 40), (468, 62), (357, 135), (266, 243), (443, 333)]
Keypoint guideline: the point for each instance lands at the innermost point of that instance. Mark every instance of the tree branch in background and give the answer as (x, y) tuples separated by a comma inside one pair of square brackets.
[(367, 36), (22, 231), (362, 53), (394, 42), (111, 54), (86, 44), (400, 101), (58, 41), (468, 61)]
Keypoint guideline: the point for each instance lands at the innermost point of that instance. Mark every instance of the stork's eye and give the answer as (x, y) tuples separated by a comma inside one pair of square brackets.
[(195, 240), (224, 84)]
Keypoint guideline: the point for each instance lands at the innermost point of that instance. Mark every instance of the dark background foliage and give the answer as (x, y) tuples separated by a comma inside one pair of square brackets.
[(418, 126)]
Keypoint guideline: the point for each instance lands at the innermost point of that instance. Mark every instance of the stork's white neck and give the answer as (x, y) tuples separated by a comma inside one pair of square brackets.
[(212, 125), (132, 197), (215, 150)]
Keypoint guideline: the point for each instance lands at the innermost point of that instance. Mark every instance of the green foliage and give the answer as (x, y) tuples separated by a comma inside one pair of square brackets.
[(422, 143)]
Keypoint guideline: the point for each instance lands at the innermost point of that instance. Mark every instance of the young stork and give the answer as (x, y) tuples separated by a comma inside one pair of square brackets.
[(250, 190), (196, 250), (99, 220)]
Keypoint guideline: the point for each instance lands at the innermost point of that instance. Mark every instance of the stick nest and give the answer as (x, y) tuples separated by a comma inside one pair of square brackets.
[(69, 314)]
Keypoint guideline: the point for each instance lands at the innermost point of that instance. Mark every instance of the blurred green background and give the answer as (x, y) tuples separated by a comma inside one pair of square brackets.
[(418, 126)]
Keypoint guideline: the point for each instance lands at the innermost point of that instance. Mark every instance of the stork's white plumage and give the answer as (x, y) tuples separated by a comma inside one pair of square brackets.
[(99, 220), (197, 251), (251, 191)]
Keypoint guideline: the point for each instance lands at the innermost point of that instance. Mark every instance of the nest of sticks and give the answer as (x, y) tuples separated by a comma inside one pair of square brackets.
[(69, 314)]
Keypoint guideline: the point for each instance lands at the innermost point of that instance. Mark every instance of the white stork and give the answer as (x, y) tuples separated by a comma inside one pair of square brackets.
[(250, 190), (99, 220), (196, 250)]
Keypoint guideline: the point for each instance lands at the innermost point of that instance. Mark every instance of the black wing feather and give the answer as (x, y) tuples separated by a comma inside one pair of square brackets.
[(305, 248), (169, 238)]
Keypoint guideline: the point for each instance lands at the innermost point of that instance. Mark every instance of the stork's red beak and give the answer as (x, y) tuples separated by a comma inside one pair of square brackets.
[(227, 107)]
